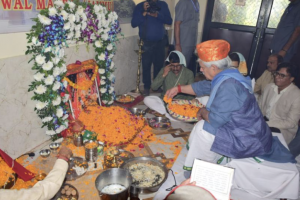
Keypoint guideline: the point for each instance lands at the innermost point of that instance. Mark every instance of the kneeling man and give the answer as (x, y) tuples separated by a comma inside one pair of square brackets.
[(231, 124)]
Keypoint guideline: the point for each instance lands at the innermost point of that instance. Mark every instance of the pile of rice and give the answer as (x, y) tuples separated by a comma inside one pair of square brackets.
[(113, 189), (146, 175)]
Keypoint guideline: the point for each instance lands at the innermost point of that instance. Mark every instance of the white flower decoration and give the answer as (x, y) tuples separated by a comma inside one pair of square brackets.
[(101, 71), (96, 8), (110, 102), (35, 41), (40, 105), (39, 76), (48, 66), (51, 132), (57, 101), (65, 117), (59, 3), (66, 98), (61, 53), (93, 37), (67, 26), (109, 47), (112, 65), (84, 24), (44, 20), (98, 43), (84, 18), (56, 60), (78, 27), (111, 90), (47, 119), (40, 59), (64, 14), (60, 129), (63, 68), (111, 77), (102, 82), (105, 102), (49, 80), (70, 35), (72, 18), (41, 89), (56, 86), (56, 71), (103, 77), (59, 112), (52, 11), (101, 56), (80, 10), (77, 34), (48, 49), (71, 5), (104, 36), (103, 90)]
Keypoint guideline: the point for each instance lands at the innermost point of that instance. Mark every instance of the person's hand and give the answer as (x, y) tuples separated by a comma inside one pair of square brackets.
[(166, 70), (178, 47), (203, 114), (153, 14), (146, 6), (188, 182), (172, 92), (282, 53), (65, 152)]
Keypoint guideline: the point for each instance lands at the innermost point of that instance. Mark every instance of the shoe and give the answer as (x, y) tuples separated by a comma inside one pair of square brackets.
[(146, 92)]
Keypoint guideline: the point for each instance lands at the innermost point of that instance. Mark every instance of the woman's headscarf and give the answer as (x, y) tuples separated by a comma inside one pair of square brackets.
[(181, 57), (243, 65)]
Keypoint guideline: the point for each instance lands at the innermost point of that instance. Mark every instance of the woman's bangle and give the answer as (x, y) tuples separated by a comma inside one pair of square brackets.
[(179, 88)]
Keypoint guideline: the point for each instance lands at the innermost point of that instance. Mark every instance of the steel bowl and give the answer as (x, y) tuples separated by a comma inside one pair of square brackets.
[(54, 145), (159, 123), (119, 98), (114, 176), (137, 111), (144, 190), (45, 153)]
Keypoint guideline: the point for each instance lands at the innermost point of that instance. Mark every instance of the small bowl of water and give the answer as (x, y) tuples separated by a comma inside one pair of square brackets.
[(45, 153)]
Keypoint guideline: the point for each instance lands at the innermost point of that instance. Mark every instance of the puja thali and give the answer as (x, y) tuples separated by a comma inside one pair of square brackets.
[(159, 123), (67, 192), (124, 98), (77, 168), (183, 117)]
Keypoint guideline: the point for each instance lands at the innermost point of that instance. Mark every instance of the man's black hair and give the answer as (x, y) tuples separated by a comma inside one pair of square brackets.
[(290, 69), (234, 57), (279, 57), (174, 58)]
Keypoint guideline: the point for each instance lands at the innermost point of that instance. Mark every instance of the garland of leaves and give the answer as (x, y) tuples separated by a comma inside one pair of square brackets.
[(57, 28)]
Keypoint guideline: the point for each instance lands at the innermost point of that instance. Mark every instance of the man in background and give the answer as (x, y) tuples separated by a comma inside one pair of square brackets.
[(280, 102), (267, 77), (286, 38), (150, 16), (186, 28)]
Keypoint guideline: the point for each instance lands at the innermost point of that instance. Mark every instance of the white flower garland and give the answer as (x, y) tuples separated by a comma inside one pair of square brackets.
[(57, 28)]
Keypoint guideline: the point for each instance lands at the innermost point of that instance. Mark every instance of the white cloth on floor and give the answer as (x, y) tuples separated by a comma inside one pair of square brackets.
[(203, 100), (252, 180), (200, 142)]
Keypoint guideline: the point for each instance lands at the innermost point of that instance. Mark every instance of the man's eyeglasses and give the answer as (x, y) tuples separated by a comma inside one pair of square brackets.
[(280, 75), (173, 66)]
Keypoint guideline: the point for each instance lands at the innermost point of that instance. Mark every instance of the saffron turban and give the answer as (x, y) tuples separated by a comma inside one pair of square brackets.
[(213, 50)]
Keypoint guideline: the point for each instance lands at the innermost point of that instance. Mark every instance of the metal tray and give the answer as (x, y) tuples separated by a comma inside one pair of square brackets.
[(61, 196), (159, 123), (120, 97), (71, 173), (11, 182)]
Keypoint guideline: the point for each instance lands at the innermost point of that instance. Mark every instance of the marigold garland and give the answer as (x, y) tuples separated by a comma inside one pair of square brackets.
[(167, 100), (5, 172), (86, 85), (184, 110)]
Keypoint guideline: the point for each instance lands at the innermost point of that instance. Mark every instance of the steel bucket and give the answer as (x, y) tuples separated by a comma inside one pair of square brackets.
[(114, 176)]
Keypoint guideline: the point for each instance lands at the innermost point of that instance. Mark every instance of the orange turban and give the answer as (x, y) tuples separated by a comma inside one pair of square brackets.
[(213, 50)]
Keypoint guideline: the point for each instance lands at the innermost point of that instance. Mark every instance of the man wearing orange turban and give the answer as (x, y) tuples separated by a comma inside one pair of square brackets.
[(231, 124)]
